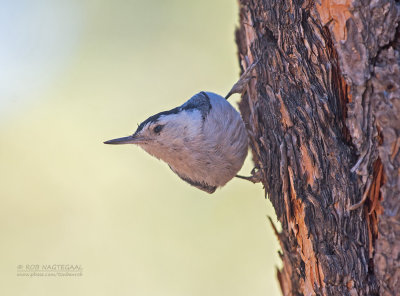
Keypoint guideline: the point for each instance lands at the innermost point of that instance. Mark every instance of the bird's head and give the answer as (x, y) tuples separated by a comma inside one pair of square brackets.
[(166, 133)]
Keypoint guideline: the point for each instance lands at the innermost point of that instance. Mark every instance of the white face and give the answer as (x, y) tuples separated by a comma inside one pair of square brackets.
[(168, 134), (164, 134)]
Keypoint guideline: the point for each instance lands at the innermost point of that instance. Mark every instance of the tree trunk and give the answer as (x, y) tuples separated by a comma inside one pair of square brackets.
[(323, 114)]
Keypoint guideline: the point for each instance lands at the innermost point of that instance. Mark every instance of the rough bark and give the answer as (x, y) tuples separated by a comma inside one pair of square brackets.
[(323, 114)]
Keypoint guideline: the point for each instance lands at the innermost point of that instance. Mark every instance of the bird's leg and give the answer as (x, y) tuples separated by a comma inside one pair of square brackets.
[(240, 86), (256, 175), (364, 197)]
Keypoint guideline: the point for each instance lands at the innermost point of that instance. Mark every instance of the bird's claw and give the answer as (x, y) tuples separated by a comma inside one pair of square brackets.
[(240, 86), (256, 176)]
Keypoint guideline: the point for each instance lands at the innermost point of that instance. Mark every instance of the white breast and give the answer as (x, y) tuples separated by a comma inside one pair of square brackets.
[(216, 155)]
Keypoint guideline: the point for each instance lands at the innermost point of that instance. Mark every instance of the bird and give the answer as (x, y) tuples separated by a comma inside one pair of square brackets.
[(204, 141)]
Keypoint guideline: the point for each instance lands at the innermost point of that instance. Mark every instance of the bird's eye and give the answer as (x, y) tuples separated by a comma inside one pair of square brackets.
[(158, 128)]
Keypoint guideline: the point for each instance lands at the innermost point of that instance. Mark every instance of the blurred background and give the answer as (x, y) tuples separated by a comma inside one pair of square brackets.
[(74, 73)]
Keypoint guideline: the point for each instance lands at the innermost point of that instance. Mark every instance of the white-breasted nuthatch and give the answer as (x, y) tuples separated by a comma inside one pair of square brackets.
[(204, 141)]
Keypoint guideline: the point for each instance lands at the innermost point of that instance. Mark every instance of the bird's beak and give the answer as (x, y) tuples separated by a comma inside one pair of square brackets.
[(126, 140)]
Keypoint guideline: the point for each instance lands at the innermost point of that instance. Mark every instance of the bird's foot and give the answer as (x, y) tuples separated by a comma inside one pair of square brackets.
[(364, 197), (240, 86), (256, 176)]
